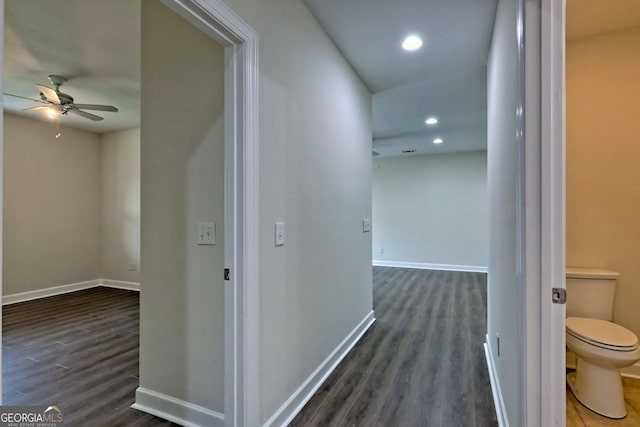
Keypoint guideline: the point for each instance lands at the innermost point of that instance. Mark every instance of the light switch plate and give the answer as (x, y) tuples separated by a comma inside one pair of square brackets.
[(206, 233), (279, 237), (366, 225)]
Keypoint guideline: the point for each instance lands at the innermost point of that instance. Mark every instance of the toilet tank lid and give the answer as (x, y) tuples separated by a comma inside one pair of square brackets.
[(590, 273)]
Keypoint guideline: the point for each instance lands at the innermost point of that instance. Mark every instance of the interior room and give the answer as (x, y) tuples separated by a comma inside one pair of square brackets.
[(388, 132), (76, 119), (71, 181), (71, 201), (603, 235)]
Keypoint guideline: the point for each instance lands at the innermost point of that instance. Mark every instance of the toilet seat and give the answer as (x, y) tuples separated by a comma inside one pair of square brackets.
[(602, 333)]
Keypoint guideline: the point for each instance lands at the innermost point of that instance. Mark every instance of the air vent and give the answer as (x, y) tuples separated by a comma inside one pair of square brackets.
[(408, 151)]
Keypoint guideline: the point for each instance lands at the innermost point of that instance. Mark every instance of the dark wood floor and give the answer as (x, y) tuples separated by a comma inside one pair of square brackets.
[(421, 364), (78, 351)]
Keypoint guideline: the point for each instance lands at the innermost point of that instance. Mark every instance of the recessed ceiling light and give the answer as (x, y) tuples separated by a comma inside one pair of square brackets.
[(412, 42), (438, 141), (431, 121)]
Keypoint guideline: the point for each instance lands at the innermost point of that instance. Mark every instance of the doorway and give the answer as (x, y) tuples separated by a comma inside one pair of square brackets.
[(240, 224)]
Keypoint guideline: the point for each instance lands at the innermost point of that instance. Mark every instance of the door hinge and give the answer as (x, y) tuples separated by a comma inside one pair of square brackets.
[(559, 295), (227, 273)]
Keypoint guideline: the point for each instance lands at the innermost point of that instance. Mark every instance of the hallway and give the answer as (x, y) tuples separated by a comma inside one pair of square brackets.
[(422, 362)]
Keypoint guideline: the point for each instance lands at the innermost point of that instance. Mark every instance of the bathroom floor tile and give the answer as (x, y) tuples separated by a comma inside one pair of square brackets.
[(580, 416)]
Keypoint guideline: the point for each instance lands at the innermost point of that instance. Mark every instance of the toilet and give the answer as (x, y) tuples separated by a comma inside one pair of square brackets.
[(601, 347)]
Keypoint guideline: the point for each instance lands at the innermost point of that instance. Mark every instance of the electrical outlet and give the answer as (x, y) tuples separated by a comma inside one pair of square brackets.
[(133, 266), (206, 233), (380, 251)]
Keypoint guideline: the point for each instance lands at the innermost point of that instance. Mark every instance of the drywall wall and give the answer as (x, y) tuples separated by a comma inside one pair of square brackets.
[(431, 210), (315, 176), (603, 201), (504, 318), (52, 206), (120, 177), (182, 183)]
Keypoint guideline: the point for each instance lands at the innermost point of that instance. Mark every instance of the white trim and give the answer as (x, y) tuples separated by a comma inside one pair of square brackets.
[(285, 414), (48, 292), (119, 284), (498, 401), (428, 266), (549, 31), (176, 410), (632, 371), (65, 289)]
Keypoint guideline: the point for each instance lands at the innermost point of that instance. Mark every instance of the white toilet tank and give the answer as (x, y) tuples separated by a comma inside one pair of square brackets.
[(591, 292)]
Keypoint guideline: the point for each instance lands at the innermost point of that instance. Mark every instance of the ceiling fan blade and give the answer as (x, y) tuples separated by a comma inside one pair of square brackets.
[(49, 93), (38, 108), (96, 107), (23, 97), (86, 115)]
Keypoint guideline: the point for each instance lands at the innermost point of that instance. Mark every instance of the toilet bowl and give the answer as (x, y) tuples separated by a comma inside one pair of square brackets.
[(602, 348)]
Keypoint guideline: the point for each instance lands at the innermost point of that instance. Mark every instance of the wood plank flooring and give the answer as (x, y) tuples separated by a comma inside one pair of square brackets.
[(421, 364), (579, 416), (78, 351)]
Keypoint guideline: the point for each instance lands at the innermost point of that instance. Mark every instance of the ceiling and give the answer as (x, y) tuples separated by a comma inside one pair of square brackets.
[(446, 78), (95, 44)]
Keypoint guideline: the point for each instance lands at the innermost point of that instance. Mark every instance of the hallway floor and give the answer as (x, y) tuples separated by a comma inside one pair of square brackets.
[(422, 362)]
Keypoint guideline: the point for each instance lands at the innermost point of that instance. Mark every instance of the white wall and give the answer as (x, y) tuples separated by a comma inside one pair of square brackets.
[(72, 205), (120, 177), (431, 209), (52, 206), (315, 175), (504, 289), (603, 200), (182, 172)]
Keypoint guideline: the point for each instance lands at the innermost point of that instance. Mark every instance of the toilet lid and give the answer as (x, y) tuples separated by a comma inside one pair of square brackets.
[(602, 333)]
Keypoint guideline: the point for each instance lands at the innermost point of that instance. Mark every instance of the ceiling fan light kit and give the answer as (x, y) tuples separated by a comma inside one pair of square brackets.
[(57, 103)]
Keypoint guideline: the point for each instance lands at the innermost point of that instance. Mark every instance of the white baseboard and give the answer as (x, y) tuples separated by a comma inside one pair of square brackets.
[(632, 371), (119, 284), (176, 410), (47, 292), (498, 401), (301, 396), (427, 266), (64, 289)]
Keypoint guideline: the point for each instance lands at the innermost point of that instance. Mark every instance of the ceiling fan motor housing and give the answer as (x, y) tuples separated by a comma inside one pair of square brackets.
[(58, 81)]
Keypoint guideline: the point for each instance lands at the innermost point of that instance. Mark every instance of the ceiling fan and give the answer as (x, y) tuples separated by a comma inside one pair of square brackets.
[(62, 103)]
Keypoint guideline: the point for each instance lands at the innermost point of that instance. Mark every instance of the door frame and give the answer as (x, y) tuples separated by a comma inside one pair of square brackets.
[(553, 208), (541, 47), (241, 312)]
